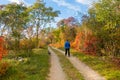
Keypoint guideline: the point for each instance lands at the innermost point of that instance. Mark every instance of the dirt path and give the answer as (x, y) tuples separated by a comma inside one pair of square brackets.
[(56, 72), (86, 71)]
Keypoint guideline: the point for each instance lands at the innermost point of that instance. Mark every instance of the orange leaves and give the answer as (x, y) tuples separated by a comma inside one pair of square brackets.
[(85, 41), (58, 44), (78, 41), (2, 49), (3, 68)]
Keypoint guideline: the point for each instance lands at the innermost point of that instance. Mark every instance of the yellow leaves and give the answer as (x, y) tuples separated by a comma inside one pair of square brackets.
[(109, 26)]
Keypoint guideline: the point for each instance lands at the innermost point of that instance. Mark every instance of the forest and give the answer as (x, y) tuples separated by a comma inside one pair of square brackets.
[(24, 29)]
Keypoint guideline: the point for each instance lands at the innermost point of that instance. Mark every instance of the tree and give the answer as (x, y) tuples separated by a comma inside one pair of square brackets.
[(85, 41), (3, 20), (105, 17), (14, 17), (41, 15), (68, 28)]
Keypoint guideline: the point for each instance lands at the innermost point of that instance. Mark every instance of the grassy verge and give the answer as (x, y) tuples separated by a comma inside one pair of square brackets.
[(70, 71), (100, 64), (27, 66)]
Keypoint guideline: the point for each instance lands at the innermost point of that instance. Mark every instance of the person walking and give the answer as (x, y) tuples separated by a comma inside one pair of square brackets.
[(67, 48)]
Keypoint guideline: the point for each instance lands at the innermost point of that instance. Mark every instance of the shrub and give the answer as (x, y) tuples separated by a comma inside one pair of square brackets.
[(3, 68), (85, 41), (3, 51)]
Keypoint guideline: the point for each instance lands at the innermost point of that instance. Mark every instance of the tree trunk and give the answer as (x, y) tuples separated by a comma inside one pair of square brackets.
[(37, 38)]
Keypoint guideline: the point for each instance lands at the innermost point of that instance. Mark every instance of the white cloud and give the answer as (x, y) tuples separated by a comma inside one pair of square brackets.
[(58, 19), (86, 2), (15, 1), (19, 2), (68, 5)]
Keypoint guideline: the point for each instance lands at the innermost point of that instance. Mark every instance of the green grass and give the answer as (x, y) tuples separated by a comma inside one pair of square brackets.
[(34, 66), (70, 71), (100, 64)]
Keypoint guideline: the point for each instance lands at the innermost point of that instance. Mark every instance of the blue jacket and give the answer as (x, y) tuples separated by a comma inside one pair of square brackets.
[(67, 45)]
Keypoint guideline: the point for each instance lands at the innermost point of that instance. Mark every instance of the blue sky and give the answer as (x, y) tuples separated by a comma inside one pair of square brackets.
[(67, 8)]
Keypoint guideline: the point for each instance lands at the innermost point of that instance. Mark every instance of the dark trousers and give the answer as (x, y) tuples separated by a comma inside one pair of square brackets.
[(67, 51)]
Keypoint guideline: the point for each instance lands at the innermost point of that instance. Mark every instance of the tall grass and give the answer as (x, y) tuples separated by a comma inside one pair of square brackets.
[(27, 66)]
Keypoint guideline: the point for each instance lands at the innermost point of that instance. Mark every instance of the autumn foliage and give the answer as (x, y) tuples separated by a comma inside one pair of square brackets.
[(3, 51), (58, 44), (3, 68), (85, 42)]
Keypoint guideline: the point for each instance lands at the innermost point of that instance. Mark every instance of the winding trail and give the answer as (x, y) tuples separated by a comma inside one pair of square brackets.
[(56, 72), (87, 72)]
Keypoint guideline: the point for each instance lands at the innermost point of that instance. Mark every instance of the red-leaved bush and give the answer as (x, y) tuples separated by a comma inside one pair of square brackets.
[(3, 51), (85, 42)]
